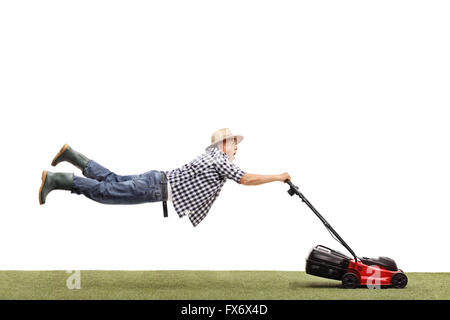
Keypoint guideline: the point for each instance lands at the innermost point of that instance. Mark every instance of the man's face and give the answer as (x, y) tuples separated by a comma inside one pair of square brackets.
[(229, 146)]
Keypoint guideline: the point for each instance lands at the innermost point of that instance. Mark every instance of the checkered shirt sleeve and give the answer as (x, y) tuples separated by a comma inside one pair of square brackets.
[(228, 169)]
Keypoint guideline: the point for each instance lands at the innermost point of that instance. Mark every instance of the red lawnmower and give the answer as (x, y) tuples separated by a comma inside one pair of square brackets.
[(327, 263)]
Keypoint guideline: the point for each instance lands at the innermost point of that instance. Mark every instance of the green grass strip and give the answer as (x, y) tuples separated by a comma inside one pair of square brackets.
[(205, 285)]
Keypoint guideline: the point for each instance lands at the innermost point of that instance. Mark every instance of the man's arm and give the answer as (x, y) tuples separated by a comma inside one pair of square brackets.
[(249, 179)]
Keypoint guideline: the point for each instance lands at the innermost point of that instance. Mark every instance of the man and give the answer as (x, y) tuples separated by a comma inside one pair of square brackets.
[(192, 189)]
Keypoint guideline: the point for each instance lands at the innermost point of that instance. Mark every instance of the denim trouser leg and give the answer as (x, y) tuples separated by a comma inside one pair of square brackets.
[(104, 186), (96, 171)]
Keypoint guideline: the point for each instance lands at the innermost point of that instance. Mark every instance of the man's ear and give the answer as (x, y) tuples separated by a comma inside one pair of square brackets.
[(222, 145)]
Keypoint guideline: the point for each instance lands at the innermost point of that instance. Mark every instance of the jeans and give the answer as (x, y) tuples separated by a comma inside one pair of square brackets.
[(104, 186)]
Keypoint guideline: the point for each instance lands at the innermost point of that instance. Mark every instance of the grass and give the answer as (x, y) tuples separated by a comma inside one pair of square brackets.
[(207, 285)]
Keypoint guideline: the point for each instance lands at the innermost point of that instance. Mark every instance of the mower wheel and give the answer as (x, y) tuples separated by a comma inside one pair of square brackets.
[(350, 280), (399, 280)]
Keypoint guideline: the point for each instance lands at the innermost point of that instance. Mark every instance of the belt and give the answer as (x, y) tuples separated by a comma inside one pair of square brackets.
[(164, 193)]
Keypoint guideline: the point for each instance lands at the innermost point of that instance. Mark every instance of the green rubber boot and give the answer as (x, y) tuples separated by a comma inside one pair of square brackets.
[(74, 157), (54, 181)]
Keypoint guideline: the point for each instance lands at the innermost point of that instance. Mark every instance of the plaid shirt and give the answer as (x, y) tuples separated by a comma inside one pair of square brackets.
[(196, 185)]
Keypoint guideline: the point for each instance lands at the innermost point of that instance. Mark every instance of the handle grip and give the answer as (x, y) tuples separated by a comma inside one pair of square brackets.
[(293, 189)]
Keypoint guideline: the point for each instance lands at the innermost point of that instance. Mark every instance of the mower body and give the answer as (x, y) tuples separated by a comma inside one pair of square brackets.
[(373, 273)]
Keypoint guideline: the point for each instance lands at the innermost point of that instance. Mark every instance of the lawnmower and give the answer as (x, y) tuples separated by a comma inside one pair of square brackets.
[(327, 263)]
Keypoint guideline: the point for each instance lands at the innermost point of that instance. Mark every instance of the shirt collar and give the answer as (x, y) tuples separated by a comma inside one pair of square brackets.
[(218, 151)]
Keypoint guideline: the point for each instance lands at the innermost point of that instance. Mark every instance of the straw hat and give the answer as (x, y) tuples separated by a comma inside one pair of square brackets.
[(222, 134)]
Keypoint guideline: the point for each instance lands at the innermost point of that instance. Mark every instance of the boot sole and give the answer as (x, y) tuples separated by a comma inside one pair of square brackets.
[(59, 153), (44, 175)]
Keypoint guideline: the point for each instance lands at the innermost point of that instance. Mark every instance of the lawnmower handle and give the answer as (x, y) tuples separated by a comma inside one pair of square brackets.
[(294, 190)]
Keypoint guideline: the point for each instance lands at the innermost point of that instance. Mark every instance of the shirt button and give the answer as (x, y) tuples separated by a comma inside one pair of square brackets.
[(186, 212)]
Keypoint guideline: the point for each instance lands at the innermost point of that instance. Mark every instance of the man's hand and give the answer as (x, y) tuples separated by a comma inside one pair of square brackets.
[(284, 176)]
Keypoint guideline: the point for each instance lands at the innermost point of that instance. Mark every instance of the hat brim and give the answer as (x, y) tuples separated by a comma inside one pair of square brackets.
[(239, 139)]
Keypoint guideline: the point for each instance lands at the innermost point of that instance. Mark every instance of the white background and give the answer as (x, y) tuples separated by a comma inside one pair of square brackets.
[(350, 97)]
